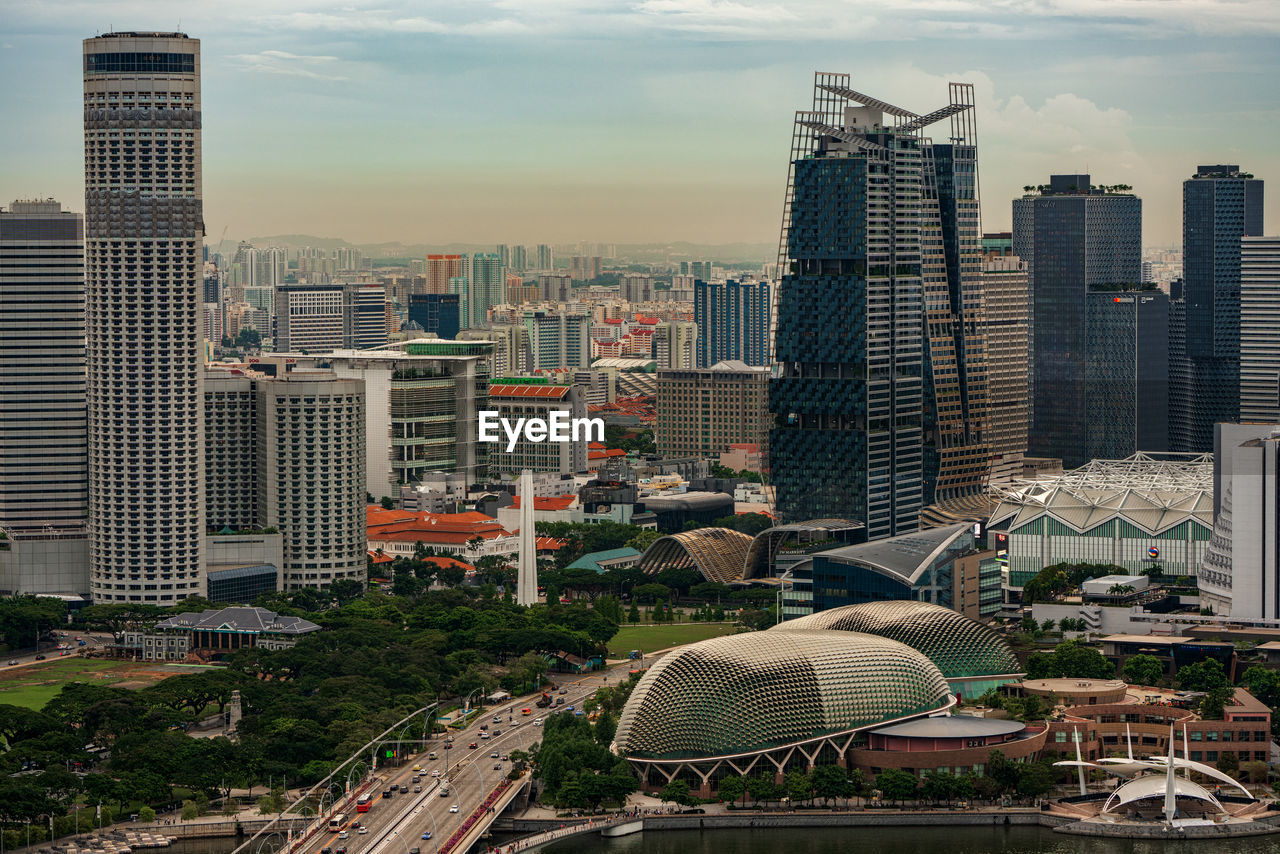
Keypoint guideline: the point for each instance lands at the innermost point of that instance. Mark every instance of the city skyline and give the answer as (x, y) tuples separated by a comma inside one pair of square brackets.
[(586, 120)]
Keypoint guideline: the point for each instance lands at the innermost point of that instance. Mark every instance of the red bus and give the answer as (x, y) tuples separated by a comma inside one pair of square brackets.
[(362, 803)]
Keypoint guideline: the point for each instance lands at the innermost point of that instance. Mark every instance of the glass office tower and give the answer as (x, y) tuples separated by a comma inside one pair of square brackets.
[(880, 398)]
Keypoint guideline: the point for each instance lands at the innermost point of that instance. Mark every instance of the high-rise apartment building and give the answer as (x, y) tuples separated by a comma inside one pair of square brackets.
[(556, 287), (1220, 204), (1260, 329), (518, 293), (44, 481), (143, 237), (881, 401), (1075, 238), (487, 286), (510, 355), (675, 344), (701, 412), (733, 321), (585, 268), (1004, 283), (460, 286), (636, 287), (558, 339), (546, 258), (286, 476), (442, 268)]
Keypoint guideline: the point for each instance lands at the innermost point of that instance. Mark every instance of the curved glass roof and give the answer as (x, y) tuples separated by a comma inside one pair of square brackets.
[(750, 692), (718, 553), (959, 646)]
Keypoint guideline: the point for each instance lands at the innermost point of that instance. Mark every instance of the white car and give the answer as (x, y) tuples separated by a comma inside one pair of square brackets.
[(363, 830), (435, 772), (343, 834), (537, 722), (453, 808)]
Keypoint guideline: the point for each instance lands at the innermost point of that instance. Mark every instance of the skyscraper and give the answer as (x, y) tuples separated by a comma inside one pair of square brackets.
[(1004, 282), (881, 400), (442, 268), (1220, 204), (143, 234), (1260, 329), (44, 483), (733, 321), (487, 286), (1126, 379), (1075, 238)]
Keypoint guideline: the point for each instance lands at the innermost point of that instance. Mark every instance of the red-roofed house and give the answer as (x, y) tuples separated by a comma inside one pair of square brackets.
[(447, 532)]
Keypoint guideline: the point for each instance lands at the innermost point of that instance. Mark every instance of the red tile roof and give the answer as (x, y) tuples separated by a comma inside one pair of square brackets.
[(604, 455), (381, 558), (548, 391), (557, 502), (402, 526)]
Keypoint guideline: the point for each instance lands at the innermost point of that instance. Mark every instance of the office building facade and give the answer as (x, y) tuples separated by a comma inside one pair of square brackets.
[(1126, 381), (558, 339), (1074, 239), (487, 286), (514, 399), (701, 412), (1220, 205), (880, 405), (675, 344), (1260, 329), (1005, 283), (143, 245), (733, 321), (436, 314), (44, 488)]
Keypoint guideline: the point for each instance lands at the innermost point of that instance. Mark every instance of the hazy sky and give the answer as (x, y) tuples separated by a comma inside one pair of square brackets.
[(643, 120)]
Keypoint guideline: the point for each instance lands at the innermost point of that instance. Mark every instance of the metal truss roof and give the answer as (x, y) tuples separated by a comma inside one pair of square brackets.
[(1153, 492)]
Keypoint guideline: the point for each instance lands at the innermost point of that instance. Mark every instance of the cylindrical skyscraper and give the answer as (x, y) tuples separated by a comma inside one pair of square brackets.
[(143, 233)]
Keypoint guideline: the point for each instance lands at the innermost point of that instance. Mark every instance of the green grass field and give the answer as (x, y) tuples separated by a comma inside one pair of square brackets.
[(648, 638), (34, 685)]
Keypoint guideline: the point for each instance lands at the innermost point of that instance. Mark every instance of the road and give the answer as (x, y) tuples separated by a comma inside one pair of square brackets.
[(396, 824), (49, 649)]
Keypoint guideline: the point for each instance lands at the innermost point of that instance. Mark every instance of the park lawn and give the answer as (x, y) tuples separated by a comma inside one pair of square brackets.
[(648, 638), (34, 685)]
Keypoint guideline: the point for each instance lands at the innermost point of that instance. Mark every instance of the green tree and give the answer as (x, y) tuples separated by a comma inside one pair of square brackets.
[(677, 792), (633, 613), (1263, 684), (732, 788), (762, 788), (829, 782), (147, 814), (1143, 669), (799, 786), (897, 785), (388, 503), (1207, 675), (643, 539), (1228, 763), (1034, 779)]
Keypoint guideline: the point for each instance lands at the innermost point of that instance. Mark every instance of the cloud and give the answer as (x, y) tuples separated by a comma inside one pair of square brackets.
[(285, 63)]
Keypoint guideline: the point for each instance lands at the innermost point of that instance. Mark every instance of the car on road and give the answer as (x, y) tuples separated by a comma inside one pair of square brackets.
[(39, 658), (538, 722), (426, 834), (342, 834), (563, 691), (449, 739), (453, 808), (504, 757), (559, 701), (417, 790), (413, 850), (493, 755), (472, 746), (435, 772), (570, 709), (12, 662), (497, 766), (326, 851), (448, 747), (497, 719), (363, 830), (417, 767)]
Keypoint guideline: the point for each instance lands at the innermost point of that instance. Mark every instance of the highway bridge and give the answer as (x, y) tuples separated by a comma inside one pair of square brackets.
[(478, 790)]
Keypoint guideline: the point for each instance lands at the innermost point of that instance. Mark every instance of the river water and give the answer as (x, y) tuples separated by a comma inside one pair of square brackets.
[(898, 840)]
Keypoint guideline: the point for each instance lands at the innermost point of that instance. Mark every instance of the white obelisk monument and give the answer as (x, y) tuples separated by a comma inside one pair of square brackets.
[(527, 574)]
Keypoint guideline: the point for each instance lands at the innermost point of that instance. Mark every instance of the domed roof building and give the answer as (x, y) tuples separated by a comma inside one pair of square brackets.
[(764, 699), (970, 654)]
